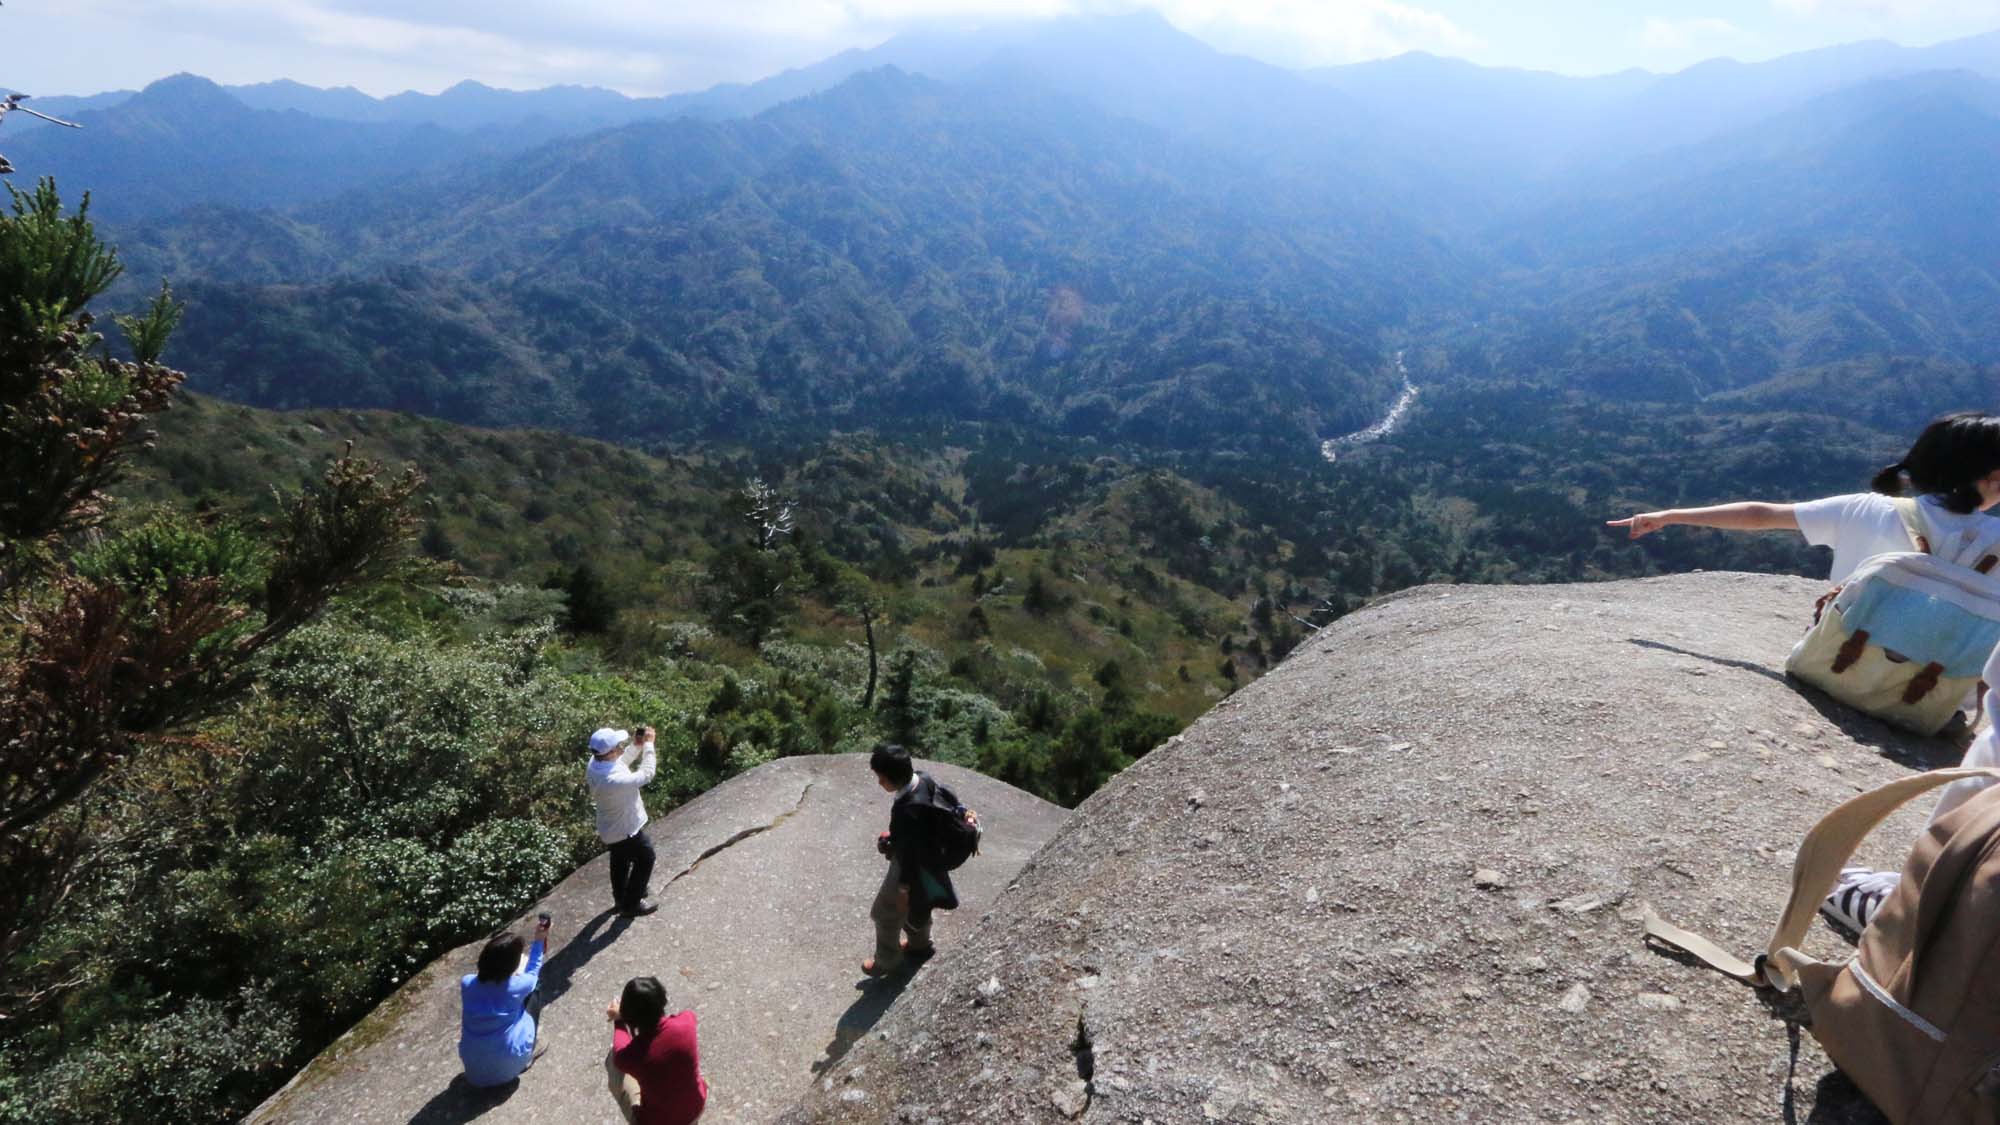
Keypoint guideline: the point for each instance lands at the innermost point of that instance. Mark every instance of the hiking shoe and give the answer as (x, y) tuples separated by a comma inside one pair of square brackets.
[(640, 909), (541, 1048), (918, 953), (1858, 895)]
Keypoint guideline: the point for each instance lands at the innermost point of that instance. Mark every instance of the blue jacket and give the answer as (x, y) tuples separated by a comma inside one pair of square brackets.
[(497, 1036)]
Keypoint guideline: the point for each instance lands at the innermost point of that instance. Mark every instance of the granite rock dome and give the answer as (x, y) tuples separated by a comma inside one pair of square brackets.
[(763, 884), (1399, 879)]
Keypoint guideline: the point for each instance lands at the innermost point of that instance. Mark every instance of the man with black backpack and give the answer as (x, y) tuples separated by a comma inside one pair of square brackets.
[(930, 834)]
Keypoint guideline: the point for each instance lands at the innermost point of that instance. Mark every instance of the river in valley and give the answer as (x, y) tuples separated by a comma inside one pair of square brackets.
[(1331, 447)]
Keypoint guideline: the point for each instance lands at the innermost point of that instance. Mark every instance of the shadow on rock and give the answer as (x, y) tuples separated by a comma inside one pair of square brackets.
[(461, 1102), (596, 935), (1838, 1101), (1744, 665), (1913, 750), (875, 998)]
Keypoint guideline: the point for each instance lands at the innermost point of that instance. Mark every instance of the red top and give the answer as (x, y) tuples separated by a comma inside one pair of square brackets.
[(668, 1069)]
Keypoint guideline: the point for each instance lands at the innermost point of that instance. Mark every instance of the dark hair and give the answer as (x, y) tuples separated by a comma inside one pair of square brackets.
[(643, 1005), (501, 957), (892, 763), (1950, 458)]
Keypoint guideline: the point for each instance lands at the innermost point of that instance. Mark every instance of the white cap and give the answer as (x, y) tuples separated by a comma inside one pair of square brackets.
[(607, 738)]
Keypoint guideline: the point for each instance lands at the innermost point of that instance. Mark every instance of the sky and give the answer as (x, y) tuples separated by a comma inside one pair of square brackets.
[(665, 46)]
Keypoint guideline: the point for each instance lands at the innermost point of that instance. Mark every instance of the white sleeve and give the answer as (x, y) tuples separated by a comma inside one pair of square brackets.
[(644, 773), (628, 778), (1984, 751), (1822, 521)]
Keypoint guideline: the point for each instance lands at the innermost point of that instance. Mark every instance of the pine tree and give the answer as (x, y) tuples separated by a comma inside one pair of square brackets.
[(153, 626), (592, 609), (899, 700)]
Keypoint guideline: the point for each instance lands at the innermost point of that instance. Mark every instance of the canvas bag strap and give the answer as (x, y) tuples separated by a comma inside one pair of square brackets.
[(1974, 555), (1978, 554), (1829, 846), (1913, 522), (1825, 849), (1703, 950)]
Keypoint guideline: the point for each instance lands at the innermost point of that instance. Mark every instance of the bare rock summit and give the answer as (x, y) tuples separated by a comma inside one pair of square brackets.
[(1398, 879), (763, 883)]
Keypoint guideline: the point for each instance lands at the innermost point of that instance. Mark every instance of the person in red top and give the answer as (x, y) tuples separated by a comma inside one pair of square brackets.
[(656, 1066)]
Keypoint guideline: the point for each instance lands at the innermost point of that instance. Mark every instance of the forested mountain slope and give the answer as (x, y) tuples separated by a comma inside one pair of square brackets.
[(1854, 226), (945, 545), (891, 250), (1173, 248)]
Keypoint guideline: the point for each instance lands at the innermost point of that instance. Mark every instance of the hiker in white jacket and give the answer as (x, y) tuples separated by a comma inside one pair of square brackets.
[(621, 816)]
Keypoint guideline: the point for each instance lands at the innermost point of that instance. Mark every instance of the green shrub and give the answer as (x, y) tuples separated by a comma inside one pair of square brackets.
[(206, 1060)]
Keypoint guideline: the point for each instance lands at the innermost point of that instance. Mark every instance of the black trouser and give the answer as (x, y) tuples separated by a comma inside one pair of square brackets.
[(631, 869)]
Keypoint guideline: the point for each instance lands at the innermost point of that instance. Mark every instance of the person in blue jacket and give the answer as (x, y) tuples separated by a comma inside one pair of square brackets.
[(497, 1038)]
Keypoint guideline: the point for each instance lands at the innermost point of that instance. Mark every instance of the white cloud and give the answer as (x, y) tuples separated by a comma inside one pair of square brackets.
[(1887, 11), (1680, 35), (1315, 30), (1319, 32), (640, 46), (433, 51), (654, 46)]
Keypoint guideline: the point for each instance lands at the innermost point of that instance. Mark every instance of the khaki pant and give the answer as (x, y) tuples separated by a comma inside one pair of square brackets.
[(624, 1088), (892, 922)]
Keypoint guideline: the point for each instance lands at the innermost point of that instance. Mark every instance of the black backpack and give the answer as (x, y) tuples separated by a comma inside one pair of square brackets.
[(957, 838)]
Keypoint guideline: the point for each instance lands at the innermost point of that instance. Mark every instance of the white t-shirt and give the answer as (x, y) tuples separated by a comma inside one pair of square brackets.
[(1984, 751), (1864, 524)]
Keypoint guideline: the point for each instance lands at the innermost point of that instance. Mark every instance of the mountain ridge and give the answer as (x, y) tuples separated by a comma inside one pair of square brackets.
[(184, 140), (929, 229)]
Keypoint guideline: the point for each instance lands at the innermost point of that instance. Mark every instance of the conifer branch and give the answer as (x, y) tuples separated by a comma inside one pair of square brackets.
[(12, 104)]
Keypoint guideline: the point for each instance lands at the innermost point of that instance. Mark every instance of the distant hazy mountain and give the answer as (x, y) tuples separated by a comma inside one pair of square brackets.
[(1528, 125), (1423, 122), (893, 249), (1721, 96), (1483, 122), (473, 107), (183, 141), (1896, 160), (1861, 223), (1097, 225), (466, 107)]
